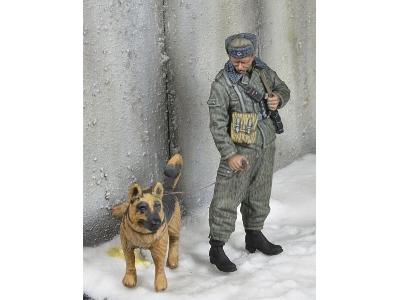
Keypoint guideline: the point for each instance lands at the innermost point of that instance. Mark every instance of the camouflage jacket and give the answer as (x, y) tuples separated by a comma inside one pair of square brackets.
[(224, 100)]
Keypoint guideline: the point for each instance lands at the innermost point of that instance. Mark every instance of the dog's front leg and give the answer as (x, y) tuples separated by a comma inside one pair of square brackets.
[(158, 252), (130, 277)]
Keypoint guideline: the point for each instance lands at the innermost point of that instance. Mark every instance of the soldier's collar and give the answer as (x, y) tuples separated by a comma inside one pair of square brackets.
[(234, 76)]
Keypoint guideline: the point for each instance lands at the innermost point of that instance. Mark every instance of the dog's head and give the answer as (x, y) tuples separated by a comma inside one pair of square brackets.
[(145, 213)]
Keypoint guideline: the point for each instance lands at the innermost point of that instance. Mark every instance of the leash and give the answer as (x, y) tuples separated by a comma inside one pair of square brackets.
[(244, 165), (193, 191)]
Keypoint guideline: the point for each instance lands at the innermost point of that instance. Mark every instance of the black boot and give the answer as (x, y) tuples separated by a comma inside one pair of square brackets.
[(219, 258), (255, 240)]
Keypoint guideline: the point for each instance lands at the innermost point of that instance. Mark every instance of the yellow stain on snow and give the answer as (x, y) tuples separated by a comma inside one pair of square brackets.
[(117, 252)]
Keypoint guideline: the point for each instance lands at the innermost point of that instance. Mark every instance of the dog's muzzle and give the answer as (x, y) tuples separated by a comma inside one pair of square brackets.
[(153, 223)]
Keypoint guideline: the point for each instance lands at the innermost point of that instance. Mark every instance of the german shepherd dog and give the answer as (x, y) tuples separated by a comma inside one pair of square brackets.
[(151, 220)]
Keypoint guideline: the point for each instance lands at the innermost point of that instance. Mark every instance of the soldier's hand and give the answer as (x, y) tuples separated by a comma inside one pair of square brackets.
[(272, 102), (238, 162)]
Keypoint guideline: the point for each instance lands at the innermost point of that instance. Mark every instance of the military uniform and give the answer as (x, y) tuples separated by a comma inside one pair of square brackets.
[(252, 188), (243, 133)]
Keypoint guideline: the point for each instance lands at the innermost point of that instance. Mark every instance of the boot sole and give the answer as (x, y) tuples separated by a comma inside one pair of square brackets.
[(252, 250), (233, 269)]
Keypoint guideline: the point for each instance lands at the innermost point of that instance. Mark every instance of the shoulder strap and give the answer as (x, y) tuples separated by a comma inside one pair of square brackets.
[(264, 80), (229, 83), (258, 97)]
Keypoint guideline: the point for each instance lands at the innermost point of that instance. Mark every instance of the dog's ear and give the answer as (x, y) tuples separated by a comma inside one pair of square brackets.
[(135, 191), (158, 190)]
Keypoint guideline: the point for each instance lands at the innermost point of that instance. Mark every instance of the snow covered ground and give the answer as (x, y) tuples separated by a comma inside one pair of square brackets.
[(289, 275)]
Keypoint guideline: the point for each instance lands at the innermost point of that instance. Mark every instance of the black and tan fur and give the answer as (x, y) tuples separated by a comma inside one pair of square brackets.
[(151, 219)]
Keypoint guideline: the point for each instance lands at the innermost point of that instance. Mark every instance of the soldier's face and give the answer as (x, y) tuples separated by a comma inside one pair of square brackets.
[(242, 64)]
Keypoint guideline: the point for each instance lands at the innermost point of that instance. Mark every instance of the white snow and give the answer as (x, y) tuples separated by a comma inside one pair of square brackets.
[(289, 275)]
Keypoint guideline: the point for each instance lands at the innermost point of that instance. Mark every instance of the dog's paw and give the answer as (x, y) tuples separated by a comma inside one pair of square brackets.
[(172, 263), (129, 280), (160, 284)]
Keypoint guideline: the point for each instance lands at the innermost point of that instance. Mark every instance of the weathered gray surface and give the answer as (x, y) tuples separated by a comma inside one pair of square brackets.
[(287, 36), (196, 32), (125, 109), (137, 67)]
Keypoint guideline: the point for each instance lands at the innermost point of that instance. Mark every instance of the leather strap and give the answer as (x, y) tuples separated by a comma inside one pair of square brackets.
[(264, 80)]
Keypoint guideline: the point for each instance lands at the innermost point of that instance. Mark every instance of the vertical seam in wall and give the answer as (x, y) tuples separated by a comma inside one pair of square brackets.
[(259, 23), (166, 78)]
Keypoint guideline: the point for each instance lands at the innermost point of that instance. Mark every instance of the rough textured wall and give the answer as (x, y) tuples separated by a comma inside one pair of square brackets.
[(148, 67), (287, 37), (124, 107), (195, 36)]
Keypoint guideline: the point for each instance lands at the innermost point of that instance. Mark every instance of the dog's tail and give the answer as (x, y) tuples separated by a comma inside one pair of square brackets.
[(172, 172)]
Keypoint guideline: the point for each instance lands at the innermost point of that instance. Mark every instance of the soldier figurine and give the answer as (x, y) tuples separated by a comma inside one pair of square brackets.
[(244, 134)]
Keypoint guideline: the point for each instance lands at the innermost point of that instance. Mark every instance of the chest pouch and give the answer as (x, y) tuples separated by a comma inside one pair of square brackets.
[(243, 127)]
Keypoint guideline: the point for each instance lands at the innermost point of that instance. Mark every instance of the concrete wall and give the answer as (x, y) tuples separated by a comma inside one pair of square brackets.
[(148, 68), (195, 39), (288, 45), (125, 119), (195, 36)]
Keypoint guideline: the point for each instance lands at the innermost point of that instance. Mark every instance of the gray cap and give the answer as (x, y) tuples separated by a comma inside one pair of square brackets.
[(241, 45)]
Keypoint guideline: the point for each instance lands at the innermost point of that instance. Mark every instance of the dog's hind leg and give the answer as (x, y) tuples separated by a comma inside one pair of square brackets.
[(174, 229), (158, 251)]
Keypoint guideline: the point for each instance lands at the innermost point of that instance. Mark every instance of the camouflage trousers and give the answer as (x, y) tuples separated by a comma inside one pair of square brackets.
[(250, 189)]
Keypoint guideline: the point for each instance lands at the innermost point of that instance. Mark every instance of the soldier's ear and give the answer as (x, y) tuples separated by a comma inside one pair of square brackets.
[(158, 190), (135, 192)]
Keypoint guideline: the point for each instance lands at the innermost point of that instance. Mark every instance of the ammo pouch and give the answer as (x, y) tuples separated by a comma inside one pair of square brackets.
[(243, 127)]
